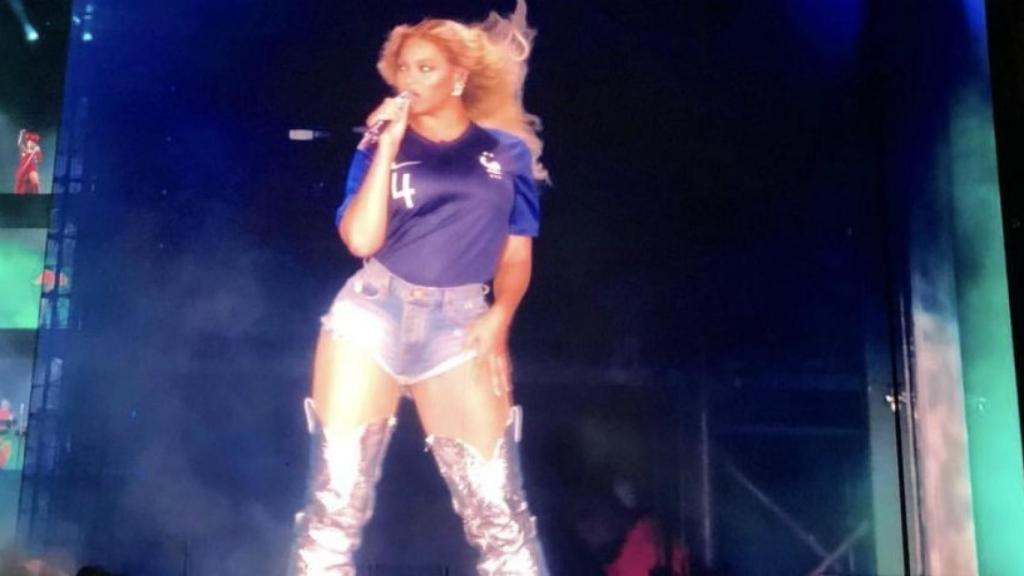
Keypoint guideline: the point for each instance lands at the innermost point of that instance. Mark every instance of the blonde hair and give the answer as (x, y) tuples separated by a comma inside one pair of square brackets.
[(494, 52)]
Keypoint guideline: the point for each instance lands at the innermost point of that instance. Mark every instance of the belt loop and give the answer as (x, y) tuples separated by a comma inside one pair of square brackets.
[(377, 273)]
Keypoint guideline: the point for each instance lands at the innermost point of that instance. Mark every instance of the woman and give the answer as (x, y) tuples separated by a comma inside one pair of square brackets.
[(26, 178), (440, 203)]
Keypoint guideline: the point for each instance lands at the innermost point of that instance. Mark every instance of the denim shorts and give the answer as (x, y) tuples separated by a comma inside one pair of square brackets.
[(414, 332)]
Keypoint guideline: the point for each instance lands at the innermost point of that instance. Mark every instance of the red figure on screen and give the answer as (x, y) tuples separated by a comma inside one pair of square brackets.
[(26, 179), (6, 423)]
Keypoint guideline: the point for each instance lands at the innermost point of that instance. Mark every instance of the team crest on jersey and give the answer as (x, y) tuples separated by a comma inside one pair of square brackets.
[(492, 166)]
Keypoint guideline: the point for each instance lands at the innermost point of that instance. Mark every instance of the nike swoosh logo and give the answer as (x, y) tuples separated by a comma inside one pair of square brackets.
[(397, 165)]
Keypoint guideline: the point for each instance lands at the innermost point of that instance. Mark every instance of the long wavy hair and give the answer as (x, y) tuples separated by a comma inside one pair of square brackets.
[(495, 54)]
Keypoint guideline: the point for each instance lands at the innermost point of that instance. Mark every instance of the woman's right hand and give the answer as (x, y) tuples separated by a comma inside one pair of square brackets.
[(395, 111)]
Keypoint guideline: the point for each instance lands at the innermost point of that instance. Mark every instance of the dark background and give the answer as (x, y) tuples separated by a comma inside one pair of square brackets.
[(715, 229), (33, 74)]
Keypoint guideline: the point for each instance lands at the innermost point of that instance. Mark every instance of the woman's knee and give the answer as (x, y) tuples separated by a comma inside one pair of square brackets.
[(454, 406)]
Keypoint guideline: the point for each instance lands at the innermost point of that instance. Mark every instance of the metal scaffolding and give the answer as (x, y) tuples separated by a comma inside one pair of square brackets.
[(50, 455)]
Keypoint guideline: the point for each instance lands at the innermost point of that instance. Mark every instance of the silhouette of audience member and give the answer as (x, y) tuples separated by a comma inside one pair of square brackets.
[(624, 536)]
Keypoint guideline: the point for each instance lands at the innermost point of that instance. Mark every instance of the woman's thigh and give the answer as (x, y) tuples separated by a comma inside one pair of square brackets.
[(464, 403), (349, 387)]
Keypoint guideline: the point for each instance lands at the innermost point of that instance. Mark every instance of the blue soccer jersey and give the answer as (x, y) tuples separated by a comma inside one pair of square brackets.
[(452, 205)]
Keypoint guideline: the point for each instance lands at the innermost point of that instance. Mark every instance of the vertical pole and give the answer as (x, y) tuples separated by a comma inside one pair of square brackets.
[(921, 67)]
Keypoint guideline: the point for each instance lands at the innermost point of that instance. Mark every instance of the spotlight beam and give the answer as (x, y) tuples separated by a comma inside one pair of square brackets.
[(18, 7)]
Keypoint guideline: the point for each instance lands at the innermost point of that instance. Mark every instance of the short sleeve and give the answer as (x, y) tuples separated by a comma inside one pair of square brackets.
[(356, 172), (525, 217)]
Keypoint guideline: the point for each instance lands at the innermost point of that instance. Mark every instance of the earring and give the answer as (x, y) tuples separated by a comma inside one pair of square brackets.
[(457, 90)]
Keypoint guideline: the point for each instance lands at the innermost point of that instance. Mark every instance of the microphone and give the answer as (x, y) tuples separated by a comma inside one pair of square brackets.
[(373, 132), (305, 135)]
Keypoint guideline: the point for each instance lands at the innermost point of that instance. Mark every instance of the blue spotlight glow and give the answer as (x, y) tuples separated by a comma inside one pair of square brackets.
[(974, 12), (86, 36), (30, 33)]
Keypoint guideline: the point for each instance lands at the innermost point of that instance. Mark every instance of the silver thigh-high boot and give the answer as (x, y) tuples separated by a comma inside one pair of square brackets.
[(489, 496), (342, 483)]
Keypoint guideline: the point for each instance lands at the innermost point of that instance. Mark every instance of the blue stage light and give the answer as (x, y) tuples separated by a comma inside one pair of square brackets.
[(30, 33), (86, 36), (974, 11)]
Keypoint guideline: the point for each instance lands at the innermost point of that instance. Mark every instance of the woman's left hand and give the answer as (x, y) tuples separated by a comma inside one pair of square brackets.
[(488, 337)]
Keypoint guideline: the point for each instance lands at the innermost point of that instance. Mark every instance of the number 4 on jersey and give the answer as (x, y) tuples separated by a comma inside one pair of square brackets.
[(405, 192)]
